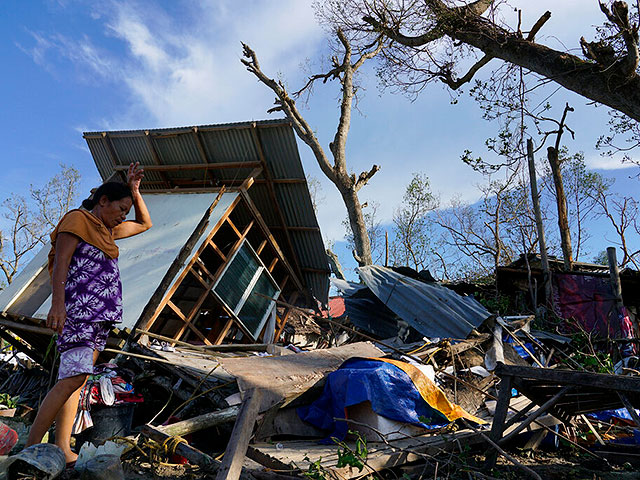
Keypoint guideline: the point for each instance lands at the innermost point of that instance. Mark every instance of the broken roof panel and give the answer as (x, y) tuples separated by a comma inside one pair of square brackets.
[(430, 308), (270, 144)]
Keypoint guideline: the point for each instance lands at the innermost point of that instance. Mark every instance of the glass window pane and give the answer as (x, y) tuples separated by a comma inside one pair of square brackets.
[(256, 306), (236, 278)]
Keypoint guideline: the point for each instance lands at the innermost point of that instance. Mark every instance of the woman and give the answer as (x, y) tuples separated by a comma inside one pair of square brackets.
[(86, 295)]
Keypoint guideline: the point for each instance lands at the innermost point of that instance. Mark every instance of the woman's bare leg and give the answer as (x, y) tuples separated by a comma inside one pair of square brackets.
[(55, 400), (65, 418), (61, 404)]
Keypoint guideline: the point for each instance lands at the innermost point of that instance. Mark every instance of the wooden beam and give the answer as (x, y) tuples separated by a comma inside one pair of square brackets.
[(316, 270), (236, 450), (166, 295), (187, 190), (193, 166), (285, 317), (112, 153), (174, 132), (497, 426), (251, 179), (25, 327), (217, 250), (201, 422), (203, 154), (571, 377), (272, 241), (261, 247), (531, 418), (273, 264), (156, 157), (632, 411), (274, 200), (296, 229)]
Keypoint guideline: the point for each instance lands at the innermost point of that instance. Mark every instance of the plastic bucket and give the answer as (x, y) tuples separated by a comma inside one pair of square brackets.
[(108, 422)]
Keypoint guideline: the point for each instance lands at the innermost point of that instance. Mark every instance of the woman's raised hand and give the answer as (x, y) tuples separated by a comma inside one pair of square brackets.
[(134, 176)]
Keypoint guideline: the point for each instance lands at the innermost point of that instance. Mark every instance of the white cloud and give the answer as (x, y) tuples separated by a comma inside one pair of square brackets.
[(599, 162), (191, 73)]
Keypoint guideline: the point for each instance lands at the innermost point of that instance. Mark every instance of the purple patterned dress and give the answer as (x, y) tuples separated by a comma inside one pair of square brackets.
[(93, 301)]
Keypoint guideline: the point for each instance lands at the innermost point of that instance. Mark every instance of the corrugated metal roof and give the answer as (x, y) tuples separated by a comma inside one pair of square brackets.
[(433, 310), (223, 143)]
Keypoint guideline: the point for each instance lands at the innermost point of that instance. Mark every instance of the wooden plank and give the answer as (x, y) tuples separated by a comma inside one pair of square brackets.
[(285, 317), (217, 250), (161, 295), (194, 455), (192, 166), (236, 450), (201, 422), (223, 333), (272, 241), (146, 324), (272, 265), (543, 409), (274, 200), (233, 227), (251, 179), (497, 426), (632, 411), (25, 327), (261, 247), (570, 377), (288, 376)]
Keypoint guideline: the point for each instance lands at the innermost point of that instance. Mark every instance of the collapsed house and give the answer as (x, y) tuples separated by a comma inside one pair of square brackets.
[(234, 231), (584, 295), (235, 252)]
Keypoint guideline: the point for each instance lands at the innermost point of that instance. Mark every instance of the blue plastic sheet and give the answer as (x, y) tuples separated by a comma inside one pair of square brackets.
[(608, 415), (390, 390)]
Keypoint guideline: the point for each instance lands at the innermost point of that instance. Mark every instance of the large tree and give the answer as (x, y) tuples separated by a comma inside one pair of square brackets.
[(429, 38), (348, 184)]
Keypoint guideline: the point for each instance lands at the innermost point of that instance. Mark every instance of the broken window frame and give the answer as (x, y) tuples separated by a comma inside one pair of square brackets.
[(261, 270)]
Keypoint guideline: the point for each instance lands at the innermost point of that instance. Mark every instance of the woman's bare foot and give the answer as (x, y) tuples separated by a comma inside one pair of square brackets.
[(70, 457)]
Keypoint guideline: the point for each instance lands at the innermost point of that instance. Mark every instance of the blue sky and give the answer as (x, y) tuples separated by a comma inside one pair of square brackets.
[(72, 66)]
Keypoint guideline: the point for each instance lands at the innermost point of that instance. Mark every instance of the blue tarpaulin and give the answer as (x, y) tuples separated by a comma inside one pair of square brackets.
[(389, 389)]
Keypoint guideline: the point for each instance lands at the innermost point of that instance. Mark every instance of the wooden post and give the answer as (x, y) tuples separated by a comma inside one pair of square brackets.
[(200, 422), (535, 198), (497, 426), (615, 275), (231, 467), (386, 248)]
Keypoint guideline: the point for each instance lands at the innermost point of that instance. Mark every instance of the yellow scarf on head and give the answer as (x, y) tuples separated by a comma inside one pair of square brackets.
[(89, 228)]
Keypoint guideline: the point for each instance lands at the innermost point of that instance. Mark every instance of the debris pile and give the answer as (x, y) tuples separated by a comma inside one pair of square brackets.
[(233, 362)]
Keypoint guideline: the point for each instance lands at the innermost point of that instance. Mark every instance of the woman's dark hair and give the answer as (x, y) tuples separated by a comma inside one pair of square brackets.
[(112, 190)]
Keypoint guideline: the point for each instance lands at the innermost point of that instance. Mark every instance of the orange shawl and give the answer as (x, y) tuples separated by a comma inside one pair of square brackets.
[(89, 228)]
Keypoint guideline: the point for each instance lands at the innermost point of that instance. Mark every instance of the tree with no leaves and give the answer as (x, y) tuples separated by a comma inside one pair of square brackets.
[(430, 37), (30, 223), (347, 184)]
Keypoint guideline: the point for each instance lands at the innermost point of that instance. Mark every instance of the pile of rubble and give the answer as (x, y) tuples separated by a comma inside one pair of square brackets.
[(348, 404)]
